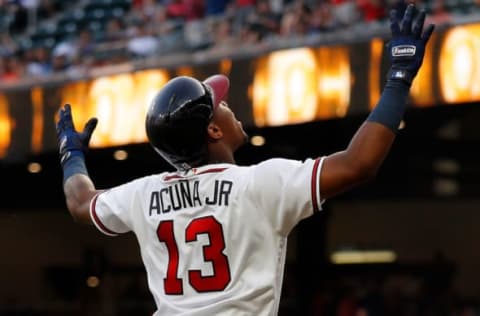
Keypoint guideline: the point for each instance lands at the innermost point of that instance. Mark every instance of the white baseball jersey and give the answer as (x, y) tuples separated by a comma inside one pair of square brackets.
[(213, 239)]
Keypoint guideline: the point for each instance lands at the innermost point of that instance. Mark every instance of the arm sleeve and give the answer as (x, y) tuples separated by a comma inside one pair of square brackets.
[(286, 191), (110, 210)]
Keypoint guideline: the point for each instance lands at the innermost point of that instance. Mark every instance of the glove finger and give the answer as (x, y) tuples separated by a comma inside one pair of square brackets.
[(59, 125), (428, 32), (394, 25), (88, 130), (407, 20), (66, 117), (418, 27), (62, 120)]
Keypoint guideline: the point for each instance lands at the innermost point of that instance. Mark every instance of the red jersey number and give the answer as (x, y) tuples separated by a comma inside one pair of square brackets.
[(213, 253)]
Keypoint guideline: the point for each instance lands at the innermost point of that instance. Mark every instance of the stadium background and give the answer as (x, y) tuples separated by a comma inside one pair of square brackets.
[(405, 244)]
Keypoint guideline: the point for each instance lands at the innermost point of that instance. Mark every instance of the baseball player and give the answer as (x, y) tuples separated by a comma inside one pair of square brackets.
[(213, 235)]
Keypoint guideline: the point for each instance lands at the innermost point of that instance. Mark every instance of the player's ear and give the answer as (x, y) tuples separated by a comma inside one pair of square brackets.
[(214, 131)]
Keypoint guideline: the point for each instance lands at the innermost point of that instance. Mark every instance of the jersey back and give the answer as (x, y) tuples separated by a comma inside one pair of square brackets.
[(213, 239)]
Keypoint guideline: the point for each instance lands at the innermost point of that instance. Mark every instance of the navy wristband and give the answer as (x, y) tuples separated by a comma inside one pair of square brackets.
[(392, 104), (74, 164)]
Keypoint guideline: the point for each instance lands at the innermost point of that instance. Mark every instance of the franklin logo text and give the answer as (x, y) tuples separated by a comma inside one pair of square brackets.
[(403, 50)]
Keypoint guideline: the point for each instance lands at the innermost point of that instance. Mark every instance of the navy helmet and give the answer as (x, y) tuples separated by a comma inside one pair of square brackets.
[(177, 119)]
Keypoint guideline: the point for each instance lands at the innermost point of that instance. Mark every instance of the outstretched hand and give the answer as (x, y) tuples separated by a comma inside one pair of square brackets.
[(407, 46), (72, 143)]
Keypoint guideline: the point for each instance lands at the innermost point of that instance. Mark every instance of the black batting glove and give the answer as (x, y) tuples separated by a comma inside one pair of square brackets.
[(72, 143), (407, 46)]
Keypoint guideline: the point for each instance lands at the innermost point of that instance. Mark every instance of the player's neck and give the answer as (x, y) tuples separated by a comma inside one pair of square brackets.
[(220, 154)]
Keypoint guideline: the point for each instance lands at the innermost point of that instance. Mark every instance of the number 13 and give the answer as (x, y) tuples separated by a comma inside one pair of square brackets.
[(212, 252)]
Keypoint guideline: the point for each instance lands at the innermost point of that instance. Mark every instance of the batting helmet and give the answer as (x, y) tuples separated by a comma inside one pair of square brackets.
[(177, 120)]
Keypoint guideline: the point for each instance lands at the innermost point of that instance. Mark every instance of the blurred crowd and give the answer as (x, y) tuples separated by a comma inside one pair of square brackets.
[(397, 296), (39, 38)]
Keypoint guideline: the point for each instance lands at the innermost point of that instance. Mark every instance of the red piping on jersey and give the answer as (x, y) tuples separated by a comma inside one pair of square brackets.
[(97, 219), (176, 176), (315, 185)]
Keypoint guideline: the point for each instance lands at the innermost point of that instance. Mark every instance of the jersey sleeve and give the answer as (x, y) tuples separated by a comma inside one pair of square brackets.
[(110, 210), (287, 191)]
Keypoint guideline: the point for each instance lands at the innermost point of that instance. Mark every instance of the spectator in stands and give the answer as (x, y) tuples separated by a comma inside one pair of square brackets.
[(161, 24), (224, 40), (295, 20), (288, 23), (197, 34), (304, 15), (39, 64), (84, 44), (7, 45), (11, 69), (114, 31), (79, 66), (137, 3), (214, 8), (372, 10), (242, 9), (149, 7), (30, 4), (195, 9), (177, 9), (323, 19), (138, 13), (142, 42), (169, 32), (439, 13), (2, 69), (62, 56), (252, 34), (265, 18), (346, 12)]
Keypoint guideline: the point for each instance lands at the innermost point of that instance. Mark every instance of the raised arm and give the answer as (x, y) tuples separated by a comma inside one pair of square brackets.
[(77, 185), (360, 161)]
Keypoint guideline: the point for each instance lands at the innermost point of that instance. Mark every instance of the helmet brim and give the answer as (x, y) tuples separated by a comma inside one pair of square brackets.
[(219, 85)]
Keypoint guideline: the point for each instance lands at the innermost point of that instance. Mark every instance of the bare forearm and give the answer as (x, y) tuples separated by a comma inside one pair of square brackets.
[(79, 191), (358, 163), (367, 150), (370, 146), (373, 140)]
